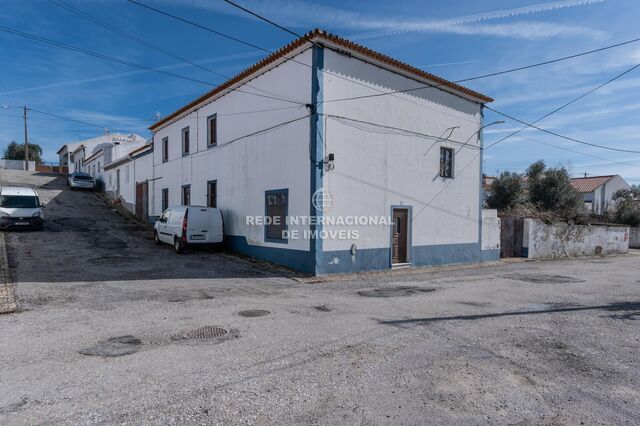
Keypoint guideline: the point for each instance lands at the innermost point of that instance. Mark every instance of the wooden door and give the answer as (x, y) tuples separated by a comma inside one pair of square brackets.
[(511, 236), (142, 199), (400, 236)]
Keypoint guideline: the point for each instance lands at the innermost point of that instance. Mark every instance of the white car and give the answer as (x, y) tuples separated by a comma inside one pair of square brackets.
[(187, 225), (79, 180), (20, 208)]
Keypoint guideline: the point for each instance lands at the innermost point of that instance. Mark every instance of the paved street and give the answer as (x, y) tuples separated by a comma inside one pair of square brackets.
[(553, 342)]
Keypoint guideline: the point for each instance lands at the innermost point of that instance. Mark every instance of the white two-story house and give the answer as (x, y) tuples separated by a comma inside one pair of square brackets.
[(329, 157)]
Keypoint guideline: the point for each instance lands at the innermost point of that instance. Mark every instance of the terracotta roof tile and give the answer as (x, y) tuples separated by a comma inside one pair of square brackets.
[(590, 184), (319, 35)]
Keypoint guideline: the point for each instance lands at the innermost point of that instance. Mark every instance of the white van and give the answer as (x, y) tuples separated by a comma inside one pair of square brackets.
[(185, 225), (20, 208)]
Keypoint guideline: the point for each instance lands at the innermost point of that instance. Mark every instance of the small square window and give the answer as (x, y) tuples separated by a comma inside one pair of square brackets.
[(212, 130), (446, 162), (185, 141)]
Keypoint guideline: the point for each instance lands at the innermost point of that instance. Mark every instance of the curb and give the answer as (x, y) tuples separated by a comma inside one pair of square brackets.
[(8, 299)]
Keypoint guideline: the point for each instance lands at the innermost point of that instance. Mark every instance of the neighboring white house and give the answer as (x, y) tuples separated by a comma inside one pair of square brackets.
[(94, 165), (382, 180), (73, 154), (129, 173), (598, 191)]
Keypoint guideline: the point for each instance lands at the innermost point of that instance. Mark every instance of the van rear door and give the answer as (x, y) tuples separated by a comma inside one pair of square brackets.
[(215, 226), (198, 225)]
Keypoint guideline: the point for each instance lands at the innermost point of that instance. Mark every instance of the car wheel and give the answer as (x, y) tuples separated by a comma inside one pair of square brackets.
[(40, 227), (177, 245), (156, 238)]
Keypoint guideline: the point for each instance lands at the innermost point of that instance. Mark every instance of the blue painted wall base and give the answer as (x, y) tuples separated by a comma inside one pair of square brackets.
[(295, 259), (342, 261)]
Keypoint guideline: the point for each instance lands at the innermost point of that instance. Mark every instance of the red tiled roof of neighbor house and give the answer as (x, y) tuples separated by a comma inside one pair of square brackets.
[(590, 184), (320, 35)]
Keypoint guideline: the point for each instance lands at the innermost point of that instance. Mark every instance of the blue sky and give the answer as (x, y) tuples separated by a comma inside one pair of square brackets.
[(452, 39)]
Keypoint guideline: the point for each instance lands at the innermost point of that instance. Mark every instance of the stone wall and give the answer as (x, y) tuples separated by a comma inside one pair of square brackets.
[(562, 239)]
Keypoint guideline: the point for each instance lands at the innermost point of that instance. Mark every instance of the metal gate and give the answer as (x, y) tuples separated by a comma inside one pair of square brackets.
[(511, 235), (142, 200)]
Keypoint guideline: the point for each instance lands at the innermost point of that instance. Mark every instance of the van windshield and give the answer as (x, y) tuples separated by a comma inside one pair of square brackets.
[(19, 201)]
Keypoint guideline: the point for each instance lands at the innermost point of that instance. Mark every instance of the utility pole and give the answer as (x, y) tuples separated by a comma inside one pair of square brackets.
[(26, 141)]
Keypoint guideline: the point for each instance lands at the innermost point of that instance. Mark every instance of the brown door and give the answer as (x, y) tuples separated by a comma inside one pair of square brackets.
[(142, 200), (399, 243), (511, 236)]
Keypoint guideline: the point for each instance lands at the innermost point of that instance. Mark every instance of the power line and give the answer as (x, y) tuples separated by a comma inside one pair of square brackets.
[(267, 20), (60, 117), (262, 18), (291, 58), (118, 60), (611, 80), (394, 130), (558, 134), (143, 42), (493, 74), (578, 152)]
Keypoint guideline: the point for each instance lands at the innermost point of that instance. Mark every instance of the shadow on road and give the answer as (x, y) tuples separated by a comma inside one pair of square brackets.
[(629, 310)]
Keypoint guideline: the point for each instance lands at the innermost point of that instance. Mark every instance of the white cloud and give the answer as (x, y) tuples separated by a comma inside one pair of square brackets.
[(303, 13)]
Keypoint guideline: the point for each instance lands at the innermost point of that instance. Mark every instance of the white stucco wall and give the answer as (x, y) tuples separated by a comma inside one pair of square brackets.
[(634, 238), (376, 168), (247, 167), (490, 230), (136, 170), (16, 164), (564, 240)]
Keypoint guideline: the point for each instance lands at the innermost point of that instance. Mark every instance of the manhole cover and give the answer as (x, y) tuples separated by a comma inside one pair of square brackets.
[(395, 291), (251, 313), (206, 332), (543, 278), (114, 346)]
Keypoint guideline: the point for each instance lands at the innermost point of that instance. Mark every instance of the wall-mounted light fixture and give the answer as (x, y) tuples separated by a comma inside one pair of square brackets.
[(329, 162)]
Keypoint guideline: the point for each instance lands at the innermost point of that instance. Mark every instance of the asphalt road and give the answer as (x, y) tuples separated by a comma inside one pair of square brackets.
[(526, 343)]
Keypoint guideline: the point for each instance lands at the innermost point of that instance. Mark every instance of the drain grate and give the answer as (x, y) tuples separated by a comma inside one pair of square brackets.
[(206, 332), (252, 313)]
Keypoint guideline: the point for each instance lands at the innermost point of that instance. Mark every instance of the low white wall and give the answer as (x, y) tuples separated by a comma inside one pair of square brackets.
[(16, 164), (490, 230), (541, 240), (634, 238)]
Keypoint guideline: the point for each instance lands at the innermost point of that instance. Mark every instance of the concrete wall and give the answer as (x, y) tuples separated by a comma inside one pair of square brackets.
[(378, 167), (565, 240), (490, 245), (634, 238), (16, 164)]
